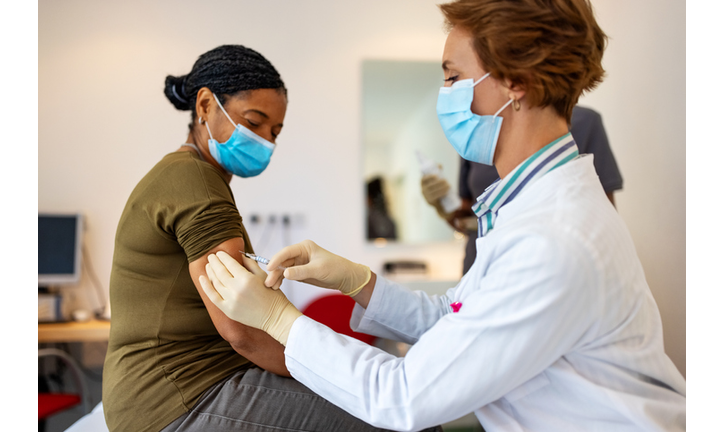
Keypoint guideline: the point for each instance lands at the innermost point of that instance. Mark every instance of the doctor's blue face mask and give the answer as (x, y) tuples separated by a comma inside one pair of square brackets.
[(474, 137), (244, 154)]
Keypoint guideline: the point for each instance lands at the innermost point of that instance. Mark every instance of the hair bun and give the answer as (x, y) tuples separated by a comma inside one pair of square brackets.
[(176, 93)]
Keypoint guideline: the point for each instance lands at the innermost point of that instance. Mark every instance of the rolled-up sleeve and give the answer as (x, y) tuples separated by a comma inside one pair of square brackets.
[(196, 208), (209, 228)]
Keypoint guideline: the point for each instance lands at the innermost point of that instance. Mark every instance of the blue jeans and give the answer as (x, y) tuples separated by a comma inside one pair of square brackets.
[(259, 401)]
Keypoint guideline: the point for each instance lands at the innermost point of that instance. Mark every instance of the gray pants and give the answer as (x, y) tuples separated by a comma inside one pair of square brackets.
[(259, 401)]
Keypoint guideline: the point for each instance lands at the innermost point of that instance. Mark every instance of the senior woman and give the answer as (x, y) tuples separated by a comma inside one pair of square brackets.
[(175, 362), (554, 327)]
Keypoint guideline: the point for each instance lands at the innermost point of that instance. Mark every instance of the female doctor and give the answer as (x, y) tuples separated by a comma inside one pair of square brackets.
[(554, 327)]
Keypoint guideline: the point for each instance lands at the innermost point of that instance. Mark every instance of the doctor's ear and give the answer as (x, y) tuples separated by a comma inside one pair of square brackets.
[(516, 89)]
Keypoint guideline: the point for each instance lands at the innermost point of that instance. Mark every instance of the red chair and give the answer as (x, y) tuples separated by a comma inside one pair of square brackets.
[(334, 311), (53, 403)]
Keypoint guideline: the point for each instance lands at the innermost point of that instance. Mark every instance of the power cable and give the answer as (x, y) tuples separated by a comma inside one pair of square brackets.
[(94, 279)]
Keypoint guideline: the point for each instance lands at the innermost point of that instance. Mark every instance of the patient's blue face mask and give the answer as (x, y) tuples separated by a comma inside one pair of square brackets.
[(474, 137), (244, 154)]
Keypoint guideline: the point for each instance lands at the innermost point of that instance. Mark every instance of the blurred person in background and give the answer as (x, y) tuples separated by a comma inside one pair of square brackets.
[(588, 131)]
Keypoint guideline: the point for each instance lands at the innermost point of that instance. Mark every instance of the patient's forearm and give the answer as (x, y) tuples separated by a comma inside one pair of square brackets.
[(251, 343), (262, 350)]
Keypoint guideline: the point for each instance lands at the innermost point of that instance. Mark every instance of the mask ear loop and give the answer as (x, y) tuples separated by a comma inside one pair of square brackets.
[(207, 128), (478, 81), (223, 110), (211, 136), (504, 106)]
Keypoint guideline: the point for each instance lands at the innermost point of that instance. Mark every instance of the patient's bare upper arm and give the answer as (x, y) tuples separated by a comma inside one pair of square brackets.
[(253, 344), (232, 331)]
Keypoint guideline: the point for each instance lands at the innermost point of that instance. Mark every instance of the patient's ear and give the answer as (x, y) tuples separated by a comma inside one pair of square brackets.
[(204, 101)]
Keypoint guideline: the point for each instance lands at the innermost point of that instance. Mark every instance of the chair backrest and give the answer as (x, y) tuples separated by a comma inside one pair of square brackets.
[(49, 404), (334, 311)]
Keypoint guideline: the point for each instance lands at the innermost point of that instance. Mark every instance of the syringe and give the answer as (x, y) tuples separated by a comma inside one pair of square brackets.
[(261, 259)]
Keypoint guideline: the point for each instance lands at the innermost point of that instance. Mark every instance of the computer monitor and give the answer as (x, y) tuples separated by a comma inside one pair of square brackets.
[(59, 249)]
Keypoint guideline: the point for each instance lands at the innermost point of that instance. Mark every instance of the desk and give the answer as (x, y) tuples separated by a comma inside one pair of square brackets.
[(89, 331)]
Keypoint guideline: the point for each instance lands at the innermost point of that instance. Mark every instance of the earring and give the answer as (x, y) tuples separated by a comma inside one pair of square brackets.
[(516, 104)]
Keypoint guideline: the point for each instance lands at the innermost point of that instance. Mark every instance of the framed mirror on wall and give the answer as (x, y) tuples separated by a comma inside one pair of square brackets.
[(398, 120)]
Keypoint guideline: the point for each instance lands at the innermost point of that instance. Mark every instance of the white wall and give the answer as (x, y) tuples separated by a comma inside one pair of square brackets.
[(103, 120)]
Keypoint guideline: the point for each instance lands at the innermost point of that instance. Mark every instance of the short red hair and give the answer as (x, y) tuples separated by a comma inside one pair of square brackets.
[(551, 48)]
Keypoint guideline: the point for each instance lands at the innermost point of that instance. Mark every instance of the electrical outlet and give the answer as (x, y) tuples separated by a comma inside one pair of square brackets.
[(287, 220)]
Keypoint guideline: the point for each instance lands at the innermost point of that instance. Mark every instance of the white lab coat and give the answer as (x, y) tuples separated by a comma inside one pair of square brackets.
[(558, 330)]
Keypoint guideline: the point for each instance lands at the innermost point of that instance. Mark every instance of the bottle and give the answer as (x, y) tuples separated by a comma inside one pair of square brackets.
[(450, 202)]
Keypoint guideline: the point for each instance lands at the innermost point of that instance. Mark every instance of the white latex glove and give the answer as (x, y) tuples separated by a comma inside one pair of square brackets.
[(242, 296), (306, 262), (433, 189)]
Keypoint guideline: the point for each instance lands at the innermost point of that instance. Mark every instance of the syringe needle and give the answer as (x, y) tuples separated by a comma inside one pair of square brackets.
[(261, 259)]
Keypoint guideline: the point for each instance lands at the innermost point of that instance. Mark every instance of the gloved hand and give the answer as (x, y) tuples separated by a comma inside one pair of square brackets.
[(242, 296), (465, 224), (434, 188), (306, 262)]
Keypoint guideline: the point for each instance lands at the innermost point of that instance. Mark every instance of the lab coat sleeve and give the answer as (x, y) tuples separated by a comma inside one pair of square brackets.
[(397, 313), (532, 305)]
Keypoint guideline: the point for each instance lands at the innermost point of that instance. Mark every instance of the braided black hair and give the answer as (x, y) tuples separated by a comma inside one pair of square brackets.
[(226, 70)]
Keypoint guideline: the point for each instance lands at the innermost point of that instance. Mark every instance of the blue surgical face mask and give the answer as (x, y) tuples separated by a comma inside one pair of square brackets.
[(244, 154), (473, 136)]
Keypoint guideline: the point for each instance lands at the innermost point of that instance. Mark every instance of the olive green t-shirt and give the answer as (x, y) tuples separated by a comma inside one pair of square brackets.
[(164, 350)]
